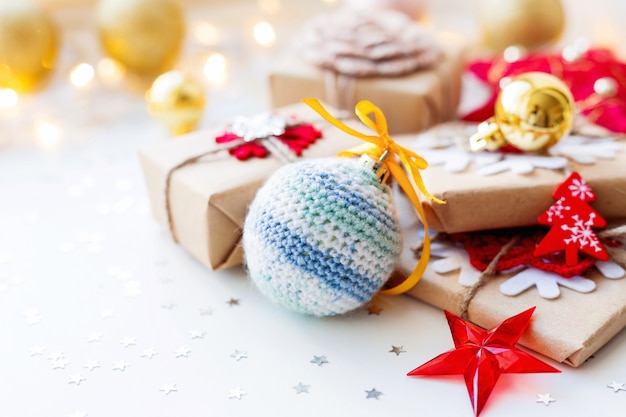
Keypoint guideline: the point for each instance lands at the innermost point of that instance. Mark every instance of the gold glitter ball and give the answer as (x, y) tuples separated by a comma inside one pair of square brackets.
[(176, 100), (533, 112), (144, 36), (28, 45)]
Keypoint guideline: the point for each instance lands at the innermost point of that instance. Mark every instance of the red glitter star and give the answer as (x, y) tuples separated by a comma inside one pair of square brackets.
[(481, 356)]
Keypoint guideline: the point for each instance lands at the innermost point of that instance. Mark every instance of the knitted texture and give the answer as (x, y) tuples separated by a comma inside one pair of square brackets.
[(321, 236)]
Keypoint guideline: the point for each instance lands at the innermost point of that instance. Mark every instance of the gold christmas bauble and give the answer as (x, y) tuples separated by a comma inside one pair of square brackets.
[(28, 45), (533, 112), (527, 23), (144, 36), (176, 100)]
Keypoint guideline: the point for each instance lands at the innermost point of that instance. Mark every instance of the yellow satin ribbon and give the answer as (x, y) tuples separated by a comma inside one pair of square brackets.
[(375, 147)]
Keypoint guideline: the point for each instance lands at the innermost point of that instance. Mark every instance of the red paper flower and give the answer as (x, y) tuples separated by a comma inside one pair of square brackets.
[(297, 137), (481, 356), (603, 103)]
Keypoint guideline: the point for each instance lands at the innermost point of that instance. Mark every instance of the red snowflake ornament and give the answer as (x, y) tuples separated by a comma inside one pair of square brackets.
[(572, 220), (481, 356)]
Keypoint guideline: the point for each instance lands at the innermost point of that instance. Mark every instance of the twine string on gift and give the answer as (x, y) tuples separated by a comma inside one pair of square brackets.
[(407, 175), (275, 146), (483, 278)]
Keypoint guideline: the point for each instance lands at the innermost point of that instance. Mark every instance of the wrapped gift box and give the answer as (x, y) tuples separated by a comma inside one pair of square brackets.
[(411, 103), (507, 199), (568, 329), (208, 199)]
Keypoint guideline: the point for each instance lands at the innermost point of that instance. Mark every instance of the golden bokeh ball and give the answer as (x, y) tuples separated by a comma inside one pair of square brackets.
[(177, 101), (28, 45), (144, 36), (527, 23), (535, 111)]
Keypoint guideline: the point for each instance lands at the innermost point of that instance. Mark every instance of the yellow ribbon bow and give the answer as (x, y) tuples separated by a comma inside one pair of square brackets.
[(375, 147)]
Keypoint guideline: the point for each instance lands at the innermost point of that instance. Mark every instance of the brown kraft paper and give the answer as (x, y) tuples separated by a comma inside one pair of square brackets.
[(568, 329), (208, 199), (411, 103)]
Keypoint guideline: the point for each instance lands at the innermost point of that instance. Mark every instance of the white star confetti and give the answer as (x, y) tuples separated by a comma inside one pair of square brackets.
[(91, 365), (182, 352), (167, 388), (32, 316), (36, 351), (301, 388), (131, 288), (319, 360), (59, 363), (168, 305), (194, 334), (373, 393), (78, 414), (617, 386), (149, 353), (205, 311), (55, 356), (76, 379), (397, 350), (120, 365), (93, 337), (546, 399), (239, 354), (128, 341), (107, 313), (236, 393)]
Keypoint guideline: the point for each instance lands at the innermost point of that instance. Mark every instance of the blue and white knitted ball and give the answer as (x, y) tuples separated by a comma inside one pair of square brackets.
[(321, 236)]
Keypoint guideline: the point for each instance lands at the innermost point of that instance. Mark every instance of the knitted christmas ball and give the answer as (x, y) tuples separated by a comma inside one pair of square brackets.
[(321, 236)]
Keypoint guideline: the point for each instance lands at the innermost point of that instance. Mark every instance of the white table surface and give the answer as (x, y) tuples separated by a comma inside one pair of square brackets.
[(101, 313)]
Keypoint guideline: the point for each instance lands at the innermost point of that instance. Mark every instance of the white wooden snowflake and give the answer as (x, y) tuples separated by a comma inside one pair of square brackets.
[(586, 150), (455, 258), (449, 151)]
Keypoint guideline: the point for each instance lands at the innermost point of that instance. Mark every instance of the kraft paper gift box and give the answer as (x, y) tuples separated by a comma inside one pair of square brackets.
[(411, 102), (208, 199), (568, 329), (506, 199)]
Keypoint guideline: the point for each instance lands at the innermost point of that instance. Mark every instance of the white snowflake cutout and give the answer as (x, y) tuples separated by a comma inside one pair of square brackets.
[(548, 283), (454, 258), (586, 150), (522, 164), (259, 126), (454, 159)]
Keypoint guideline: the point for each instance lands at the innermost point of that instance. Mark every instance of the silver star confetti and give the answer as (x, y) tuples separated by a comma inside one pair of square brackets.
[(120, 365), (319, 360), (233, 302), (76, 379), (301, 388), (397, 350), (236, 393), (128, 341), (182, 352), (545, 399), (149, 353), (239, 354), (205, 311), (167, 388), (617, 386), (91, 365), (373, 393), (78, 414)]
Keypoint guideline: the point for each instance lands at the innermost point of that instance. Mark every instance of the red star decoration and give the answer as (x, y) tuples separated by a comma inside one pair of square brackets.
[(481, 356)]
